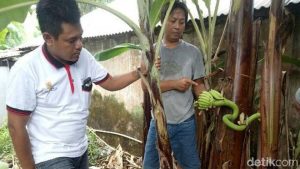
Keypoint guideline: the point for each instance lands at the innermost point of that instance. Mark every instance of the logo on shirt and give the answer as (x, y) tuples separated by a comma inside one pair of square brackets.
[(50, 86)]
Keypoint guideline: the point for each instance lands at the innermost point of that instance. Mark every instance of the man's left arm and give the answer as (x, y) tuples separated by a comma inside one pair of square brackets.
[(113, 83), (198, 89)]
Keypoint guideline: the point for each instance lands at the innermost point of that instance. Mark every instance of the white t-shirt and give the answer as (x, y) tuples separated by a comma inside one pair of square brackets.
[(52, 94)]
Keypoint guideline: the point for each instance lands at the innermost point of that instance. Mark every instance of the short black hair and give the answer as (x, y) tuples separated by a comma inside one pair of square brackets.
[(52, 13), (177, 4)]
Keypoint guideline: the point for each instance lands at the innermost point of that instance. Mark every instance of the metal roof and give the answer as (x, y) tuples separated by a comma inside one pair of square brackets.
[(100, 23), (10, 53), (224, 6)]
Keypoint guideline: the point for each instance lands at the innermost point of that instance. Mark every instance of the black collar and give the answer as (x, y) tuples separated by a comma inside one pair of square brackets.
[(56, 63)]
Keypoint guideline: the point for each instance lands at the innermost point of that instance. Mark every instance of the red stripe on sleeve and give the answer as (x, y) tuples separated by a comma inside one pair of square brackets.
[(106, 77), (18, 111)]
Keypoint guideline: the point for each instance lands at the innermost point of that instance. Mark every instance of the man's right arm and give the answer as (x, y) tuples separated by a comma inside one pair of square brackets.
[(180, 85), (166, 85), (17, 129)]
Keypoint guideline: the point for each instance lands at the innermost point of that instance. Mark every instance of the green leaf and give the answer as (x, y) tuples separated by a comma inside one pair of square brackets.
[(290, 60), (115, 51), (195, 1), (13, 10), (13, 35), (3, 165), (155, 12), (3, 35)]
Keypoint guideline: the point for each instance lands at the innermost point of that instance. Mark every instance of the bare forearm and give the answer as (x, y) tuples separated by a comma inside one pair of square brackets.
[(167, 85), (180, 85), (22, 147), (120, 81), (199, 88)]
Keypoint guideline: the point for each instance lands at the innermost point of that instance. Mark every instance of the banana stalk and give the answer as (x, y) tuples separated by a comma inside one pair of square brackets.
[(213, 98)]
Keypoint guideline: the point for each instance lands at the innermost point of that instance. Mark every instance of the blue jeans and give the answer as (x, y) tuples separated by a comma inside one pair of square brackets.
[(183, 144), (65, 163)]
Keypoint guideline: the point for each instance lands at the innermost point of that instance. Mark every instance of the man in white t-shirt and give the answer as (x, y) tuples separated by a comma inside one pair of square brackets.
[(49, 92)]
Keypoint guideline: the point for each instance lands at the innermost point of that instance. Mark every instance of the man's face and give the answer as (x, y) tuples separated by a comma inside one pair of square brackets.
[(175, 25), (68, 45)]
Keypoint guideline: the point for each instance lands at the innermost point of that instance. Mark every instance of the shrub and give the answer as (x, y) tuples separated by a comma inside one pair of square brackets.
[(6, 147)]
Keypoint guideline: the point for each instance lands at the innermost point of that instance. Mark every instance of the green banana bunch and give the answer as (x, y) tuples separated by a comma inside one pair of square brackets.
[(212, 98), (207, 98), (217, 95)]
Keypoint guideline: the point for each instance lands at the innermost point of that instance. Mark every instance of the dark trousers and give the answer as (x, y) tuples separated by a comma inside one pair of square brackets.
[(81, 162)]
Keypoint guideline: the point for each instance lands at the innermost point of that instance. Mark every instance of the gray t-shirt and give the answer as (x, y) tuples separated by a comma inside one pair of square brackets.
[(183, 61)]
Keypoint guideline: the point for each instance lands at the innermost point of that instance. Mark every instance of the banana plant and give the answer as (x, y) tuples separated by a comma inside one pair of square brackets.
[(270, 102), (205, 34), (149, 11), (13, 10), (240, 63), (13, 35), (145, 36), (149, 16), (236, 160), (116, 51)]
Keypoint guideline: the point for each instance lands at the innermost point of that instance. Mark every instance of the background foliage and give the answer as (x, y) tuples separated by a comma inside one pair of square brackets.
[(107, 113)]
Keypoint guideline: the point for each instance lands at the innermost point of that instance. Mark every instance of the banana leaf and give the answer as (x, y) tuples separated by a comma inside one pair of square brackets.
[(115, 51), (13, 10), (290, 60), (270, 95), (155, 12)]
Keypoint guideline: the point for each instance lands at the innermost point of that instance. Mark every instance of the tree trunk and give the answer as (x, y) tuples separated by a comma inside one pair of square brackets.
[(271, 86), (147, 118), (229, 146), (163, 143)]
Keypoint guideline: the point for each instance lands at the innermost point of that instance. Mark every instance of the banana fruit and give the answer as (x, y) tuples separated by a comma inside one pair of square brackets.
[(207, 98), (216, 95)]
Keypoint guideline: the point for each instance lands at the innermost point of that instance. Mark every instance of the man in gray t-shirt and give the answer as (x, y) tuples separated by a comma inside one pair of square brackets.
[(184, 62), (182, 73)]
